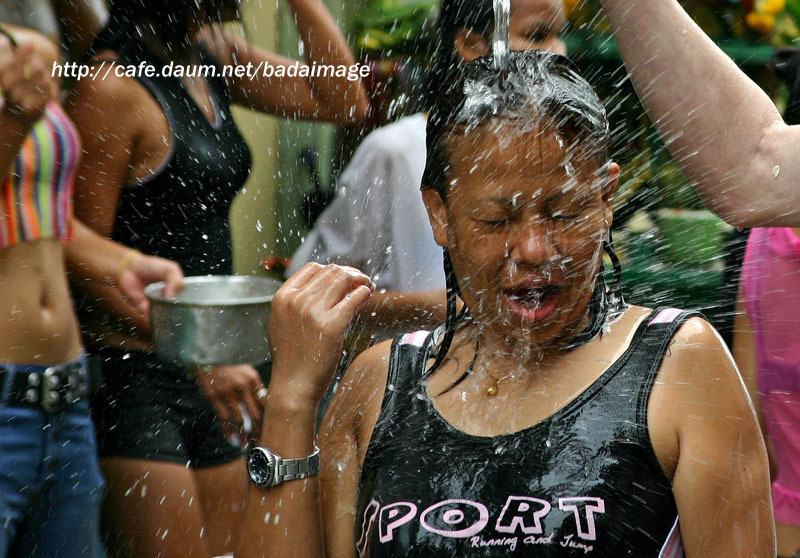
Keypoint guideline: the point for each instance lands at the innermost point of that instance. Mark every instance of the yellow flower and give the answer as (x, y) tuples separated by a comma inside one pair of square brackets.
[(763, 23), (772, 7), (570, 5)]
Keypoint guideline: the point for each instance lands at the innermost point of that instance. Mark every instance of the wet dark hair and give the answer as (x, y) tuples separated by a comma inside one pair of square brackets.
[(539, 89), (170, 16)]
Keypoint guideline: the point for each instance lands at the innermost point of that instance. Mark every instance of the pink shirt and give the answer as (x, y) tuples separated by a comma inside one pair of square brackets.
[(771, 290)]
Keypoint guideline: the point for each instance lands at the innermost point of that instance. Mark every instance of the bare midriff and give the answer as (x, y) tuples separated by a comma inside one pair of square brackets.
[(37, 323)]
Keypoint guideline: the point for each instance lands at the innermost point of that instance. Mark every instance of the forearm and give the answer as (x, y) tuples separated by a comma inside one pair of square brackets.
[(80, 21), (284, 520), (721, 127), (94, 264), (394, 311), (94, 257), (325, 45)]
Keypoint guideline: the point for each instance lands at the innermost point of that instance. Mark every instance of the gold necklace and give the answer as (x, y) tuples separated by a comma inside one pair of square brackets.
[(491, 391)]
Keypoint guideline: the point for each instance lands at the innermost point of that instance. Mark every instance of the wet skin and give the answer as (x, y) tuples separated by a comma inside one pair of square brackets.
[(536, 24), (525, 235)]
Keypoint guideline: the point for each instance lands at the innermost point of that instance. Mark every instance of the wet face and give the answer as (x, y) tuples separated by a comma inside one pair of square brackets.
[(524, 223), (537, 24)]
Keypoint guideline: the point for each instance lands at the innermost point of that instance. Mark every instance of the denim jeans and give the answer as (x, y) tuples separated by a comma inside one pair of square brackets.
[(50, 483)]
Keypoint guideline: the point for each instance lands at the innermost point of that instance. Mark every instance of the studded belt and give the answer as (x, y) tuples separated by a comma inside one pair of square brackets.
[(51, 388)]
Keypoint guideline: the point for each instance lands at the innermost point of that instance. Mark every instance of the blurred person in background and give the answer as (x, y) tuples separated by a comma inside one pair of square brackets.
[(50, 481), (766, 346)]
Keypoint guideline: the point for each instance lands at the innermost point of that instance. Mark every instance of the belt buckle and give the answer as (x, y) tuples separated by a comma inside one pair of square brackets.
[(60, 388)]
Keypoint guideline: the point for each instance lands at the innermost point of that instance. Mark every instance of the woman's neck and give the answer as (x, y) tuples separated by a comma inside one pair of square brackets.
[(497, 350), (498, 347)]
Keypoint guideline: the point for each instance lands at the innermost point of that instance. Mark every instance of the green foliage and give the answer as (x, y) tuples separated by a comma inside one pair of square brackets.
[(402, 27)]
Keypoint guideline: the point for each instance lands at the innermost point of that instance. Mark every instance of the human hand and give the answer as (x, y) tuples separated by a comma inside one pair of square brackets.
[(137, 270), (26, 83), (309, 317), (231, 388)]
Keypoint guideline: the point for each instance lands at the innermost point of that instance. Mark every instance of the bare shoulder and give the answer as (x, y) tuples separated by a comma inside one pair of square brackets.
[(697, 354), (104, 86), (109, 103), (357, 402), (698, 392), (705, 433), (698, 369)]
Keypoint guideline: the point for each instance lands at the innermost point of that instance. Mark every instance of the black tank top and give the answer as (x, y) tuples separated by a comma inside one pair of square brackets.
[(583, 482), (181, 211)]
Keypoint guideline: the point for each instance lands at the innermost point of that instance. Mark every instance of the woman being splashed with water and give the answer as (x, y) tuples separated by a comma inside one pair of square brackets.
[(547, 418)]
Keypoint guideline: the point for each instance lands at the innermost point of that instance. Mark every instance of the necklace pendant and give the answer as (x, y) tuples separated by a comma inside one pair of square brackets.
[(491, 391)]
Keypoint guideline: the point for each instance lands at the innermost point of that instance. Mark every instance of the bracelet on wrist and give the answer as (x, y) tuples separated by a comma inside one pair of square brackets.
[(125, 261)]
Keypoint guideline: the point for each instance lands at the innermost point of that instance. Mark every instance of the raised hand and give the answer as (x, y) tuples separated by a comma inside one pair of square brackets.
[(309, 318), (26, 82)]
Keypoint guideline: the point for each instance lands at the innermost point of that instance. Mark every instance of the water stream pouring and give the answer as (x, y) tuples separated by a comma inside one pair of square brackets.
[(502, 14)]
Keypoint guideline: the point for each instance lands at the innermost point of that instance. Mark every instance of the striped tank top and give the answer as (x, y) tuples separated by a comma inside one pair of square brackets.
[(36, 197)]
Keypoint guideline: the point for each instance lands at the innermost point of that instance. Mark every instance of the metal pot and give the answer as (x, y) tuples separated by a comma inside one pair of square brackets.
[(213, 320)]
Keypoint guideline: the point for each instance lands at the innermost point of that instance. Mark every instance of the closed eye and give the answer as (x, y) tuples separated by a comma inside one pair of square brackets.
[(495, 222), (564, 216)]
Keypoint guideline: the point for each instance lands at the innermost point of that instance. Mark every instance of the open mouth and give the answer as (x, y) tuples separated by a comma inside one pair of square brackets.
[(532, 297), (533, 303)]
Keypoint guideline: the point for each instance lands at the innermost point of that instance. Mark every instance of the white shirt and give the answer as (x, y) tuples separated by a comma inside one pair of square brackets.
[(377, 221)]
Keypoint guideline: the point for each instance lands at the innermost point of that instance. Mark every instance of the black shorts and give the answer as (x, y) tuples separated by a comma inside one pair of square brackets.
[(146, 408)]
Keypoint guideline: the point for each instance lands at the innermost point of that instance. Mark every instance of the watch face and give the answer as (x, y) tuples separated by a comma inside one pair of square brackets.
[(260, 467)]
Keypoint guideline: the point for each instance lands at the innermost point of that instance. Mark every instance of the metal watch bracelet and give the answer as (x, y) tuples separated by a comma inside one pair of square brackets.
[(267, 469), (299, 468)]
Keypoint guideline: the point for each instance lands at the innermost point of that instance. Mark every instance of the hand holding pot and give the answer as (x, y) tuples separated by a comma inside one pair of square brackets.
[(136, 270)]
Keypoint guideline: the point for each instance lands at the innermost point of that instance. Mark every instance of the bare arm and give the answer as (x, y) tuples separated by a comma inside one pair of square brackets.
[(310, 314), (720, 126), (716, 451), (92, 257), (80, 21), (104, 111), (326, 97), (393, 312)]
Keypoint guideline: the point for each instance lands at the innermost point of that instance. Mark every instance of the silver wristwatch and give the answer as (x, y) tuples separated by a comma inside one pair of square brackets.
[(267, 469)]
